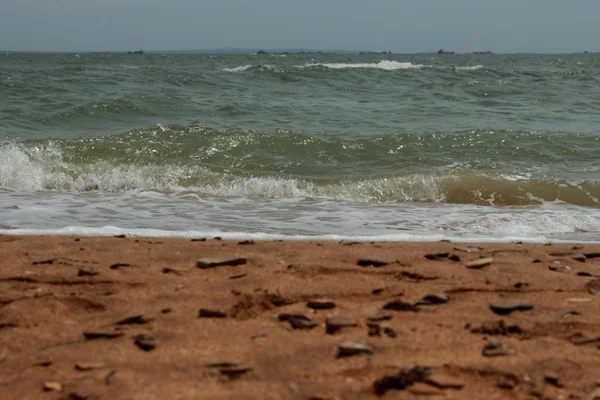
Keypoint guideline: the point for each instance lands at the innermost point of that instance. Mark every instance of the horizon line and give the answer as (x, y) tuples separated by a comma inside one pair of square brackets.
[(250, 50)]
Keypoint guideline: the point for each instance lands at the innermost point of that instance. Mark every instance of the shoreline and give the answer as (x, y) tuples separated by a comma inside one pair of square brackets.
[(150, 233), (140, 317)]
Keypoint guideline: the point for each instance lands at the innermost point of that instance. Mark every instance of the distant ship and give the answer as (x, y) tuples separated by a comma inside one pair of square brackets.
[(441, 51), (136, 52), (483, 52)]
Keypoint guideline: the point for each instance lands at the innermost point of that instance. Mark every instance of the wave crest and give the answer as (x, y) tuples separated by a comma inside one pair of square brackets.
[(43, 167), (383, 64)]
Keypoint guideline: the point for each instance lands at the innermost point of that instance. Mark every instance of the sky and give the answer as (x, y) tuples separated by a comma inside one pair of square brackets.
[(406, 26)]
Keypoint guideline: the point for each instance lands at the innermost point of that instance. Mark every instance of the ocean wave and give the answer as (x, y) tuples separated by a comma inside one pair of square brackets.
[(45, 167), (383, 64), (469, 67), (241, 68), (386, 65)]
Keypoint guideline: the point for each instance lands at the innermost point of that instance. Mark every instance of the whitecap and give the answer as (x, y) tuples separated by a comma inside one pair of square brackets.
[(241, 68), (383, 64)]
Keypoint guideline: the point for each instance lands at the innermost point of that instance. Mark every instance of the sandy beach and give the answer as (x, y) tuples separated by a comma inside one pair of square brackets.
[(152, 318)]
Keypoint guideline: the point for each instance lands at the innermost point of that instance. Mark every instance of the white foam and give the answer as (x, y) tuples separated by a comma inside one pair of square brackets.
[(383, 64), (238, 69), (26, 169), (514, 177), (158, 233), (469, 67), (184, 215), (386, 65), (270, 188)]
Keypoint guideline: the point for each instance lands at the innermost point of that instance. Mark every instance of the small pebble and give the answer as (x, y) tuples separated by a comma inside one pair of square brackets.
[(234, 372), (495, 347), (47, 261), (398, 305), (320, 304), (498, 328), (301, 323), (508, 382), (351, 347), (578, 300), (479, 263), (119, 265), (593, 287), (222, 364), (553, 379), (509, 307), (87, 271), (88, 366), (52, 387), (382, 315), (558, 267), (389, 331), (206, 313), (592, 255), (335, 323), (145, 342), (580, 340), (401, 380), (134, 320), (174, 270), (435, 298), (211, 262), (374, 329), (568, 313), (93, 335), (373, 262), (45, 362), (435, 256), (467, 249), (454, 257)]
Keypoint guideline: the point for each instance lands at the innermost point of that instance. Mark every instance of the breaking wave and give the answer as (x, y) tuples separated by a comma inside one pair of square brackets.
[(469, 67), (49, 167), (241, 68), (386, 65)]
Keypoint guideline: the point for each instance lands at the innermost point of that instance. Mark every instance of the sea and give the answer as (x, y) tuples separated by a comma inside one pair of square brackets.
[(344, 147)]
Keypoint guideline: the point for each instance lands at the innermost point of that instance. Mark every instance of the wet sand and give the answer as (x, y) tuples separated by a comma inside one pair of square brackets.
[(141, 318)]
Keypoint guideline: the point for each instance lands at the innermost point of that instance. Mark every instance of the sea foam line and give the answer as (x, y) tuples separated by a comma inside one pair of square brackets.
[(190, 234)]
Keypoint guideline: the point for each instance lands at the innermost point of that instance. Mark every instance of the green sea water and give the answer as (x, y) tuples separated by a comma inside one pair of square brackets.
[(404, 147)]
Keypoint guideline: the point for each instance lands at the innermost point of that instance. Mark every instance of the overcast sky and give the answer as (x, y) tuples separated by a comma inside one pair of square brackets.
[(394, 25)]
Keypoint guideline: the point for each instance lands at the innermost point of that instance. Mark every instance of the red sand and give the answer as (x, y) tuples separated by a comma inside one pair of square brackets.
[(248, 352)]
